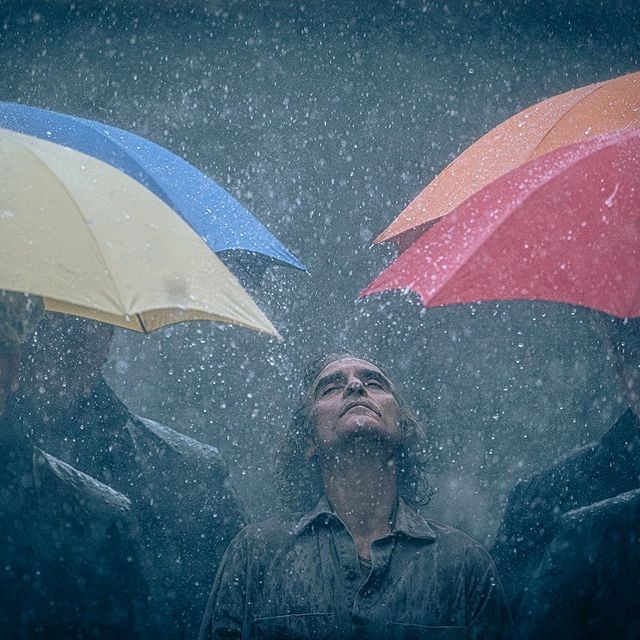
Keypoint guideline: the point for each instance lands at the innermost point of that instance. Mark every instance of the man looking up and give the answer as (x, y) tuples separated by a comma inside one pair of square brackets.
[(362, 562)]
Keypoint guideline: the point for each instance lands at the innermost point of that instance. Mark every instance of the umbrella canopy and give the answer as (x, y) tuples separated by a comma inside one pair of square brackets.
[(215, 215), (564, 227), (94, 242), (564, 119)]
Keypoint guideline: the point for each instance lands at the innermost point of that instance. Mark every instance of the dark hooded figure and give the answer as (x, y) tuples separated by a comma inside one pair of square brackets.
[(588, 583), (178, 486), (594, 473), (68, 563), (356, 559)]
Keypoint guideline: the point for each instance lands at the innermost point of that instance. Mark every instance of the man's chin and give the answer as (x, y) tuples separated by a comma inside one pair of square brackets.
[(367, 435)]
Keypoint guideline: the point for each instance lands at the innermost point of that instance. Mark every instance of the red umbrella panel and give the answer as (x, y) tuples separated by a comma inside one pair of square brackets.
[(564, 227)]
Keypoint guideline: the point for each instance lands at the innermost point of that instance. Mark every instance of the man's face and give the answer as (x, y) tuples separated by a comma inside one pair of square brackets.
[(352, 397), (64, 358)]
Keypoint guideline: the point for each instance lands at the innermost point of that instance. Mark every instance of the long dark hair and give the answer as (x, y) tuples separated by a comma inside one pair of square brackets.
[(299, 479)]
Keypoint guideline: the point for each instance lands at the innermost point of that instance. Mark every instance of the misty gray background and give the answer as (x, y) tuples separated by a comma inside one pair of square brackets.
[(325, 120)]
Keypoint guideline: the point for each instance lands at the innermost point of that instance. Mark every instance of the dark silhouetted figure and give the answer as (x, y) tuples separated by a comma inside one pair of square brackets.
[(592, 474), (588, 584), (178, 486), (68, 564), (362, 562)]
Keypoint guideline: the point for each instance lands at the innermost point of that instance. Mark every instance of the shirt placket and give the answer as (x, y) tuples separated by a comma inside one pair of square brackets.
[(366, 599), (349, 570), (359, 595)]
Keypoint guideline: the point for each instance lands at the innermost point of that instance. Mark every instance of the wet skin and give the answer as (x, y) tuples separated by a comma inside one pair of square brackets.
[(353, 397)]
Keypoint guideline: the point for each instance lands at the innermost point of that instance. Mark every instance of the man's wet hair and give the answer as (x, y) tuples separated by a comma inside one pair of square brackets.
[(299, 479)]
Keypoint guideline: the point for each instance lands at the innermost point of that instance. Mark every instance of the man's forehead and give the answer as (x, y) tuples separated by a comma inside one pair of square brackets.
[(348, 364)]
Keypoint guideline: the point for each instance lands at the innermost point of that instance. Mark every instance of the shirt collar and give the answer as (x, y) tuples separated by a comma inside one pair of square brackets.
[(408, 520)]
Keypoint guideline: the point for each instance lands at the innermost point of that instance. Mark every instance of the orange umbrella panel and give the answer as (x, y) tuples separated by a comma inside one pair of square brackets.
[(564, 119)]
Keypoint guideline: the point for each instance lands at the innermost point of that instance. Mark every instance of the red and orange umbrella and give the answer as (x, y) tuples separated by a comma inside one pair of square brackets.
[(563, 227), (564, 119)]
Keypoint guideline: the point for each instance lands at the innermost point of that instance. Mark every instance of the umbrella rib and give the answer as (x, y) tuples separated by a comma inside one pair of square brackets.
[(214, 316), (598, 86), (79, 211), (141, 321)]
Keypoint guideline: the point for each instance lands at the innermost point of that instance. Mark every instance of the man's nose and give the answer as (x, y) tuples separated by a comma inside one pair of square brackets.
[(354, 386)]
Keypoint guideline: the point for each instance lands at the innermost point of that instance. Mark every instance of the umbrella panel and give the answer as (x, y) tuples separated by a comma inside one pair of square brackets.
[(565, 119), (95, 242), (212, 212), (564, 228)]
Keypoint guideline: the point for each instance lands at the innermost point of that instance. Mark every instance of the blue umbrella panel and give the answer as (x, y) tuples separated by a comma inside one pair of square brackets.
[(223, 223)]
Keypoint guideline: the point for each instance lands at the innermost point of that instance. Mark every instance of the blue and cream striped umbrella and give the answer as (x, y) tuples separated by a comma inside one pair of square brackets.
[(220, 220)]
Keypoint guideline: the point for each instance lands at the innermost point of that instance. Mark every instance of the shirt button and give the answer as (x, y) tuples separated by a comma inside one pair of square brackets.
[(351, 574)]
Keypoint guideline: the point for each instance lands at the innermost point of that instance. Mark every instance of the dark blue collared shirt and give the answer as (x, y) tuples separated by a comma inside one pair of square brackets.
[(298, 576)]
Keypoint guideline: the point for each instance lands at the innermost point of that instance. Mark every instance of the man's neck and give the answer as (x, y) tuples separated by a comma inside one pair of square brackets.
[(363, 492)]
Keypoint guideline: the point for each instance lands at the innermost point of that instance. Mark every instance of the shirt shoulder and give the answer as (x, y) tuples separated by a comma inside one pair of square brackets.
[(460, 543), (447, 531), (276, 530)]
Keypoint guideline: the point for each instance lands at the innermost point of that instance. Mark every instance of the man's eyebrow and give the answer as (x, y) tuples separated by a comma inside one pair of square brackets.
[(374, 375), (328, 379)]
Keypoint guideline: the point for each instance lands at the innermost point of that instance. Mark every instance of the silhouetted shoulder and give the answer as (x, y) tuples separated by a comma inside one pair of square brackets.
[(58, 477), (588, 581), (533, 516), (191, 513), (596, 517), (590, 474), (546, 494), (89, 577), (574, 470), (535, 504), (154, 440)]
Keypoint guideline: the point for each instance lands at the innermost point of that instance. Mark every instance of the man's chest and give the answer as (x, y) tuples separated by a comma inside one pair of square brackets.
[(319, 589)]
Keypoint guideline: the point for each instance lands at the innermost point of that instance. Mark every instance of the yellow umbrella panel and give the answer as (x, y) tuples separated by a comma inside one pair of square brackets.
[(95, 243)]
